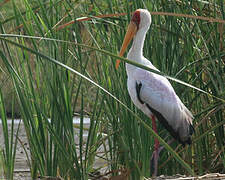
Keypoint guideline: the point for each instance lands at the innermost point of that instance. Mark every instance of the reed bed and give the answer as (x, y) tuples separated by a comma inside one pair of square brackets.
[(52, 73)]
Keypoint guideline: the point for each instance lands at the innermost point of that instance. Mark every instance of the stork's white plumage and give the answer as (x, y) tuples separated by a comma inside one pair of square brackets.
[(150, 92)]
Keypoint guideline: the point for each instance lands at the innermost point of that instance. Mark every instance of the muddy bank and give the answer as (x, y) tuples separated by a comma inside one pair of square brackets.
[(22, 170)]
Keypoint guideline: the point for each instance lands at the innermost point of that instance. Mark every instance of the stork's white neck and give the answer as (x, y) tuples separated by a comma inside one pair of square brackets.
[(136, 51)]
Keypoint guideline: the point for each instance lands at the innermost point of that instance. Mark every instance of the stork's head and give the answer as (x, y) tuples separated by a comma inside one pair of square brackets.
[(141, 19)]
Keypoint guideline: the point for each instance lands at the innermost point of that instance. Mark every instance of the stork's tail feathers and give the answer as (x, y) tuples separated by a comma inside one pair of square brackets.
[(188, 121), (191, 131)]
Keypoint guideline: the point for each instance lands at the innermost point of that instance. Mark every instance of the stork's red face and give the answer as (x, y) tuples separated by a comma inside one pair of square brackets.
[(131, 31), (136, 18)]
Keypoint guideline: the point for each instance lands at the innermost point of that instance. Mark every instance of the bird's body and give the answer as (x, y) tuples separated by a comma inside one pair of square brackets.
[(150, 92), (157, 92)]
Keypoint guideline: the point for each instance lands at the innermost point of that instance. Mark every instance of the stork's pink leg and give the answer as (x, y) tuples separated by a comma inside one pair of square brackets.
[(155, 155), (155, 129), (156, 146)]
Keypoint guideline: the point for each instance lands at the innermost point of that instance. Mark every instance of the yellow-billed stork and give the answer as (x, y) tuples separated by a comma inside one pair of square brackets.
[(150, 92)]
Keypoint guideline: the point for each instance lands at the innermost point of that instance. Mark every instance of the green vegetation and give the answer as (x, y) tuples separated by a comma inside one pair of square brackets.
[(49, 73)]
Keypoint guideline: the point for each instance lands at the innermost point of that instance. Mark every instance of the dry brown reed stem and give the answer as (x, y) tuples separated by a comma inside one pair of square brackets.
[(211, 20), (90, 18)]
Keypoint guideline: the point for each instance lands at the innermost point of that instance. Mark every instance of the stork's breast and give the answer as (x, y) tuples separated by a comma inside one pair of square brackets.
[(155, 83)]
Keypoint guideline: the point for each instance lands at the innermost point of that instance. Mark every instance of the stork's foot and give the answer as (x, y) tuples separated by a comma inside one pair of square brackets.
[(154, 163), (155, 159)]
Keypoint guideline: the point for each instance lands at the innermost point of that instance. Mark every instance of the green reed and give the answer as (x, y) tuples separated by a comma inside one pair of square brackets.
[(46, 79)]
